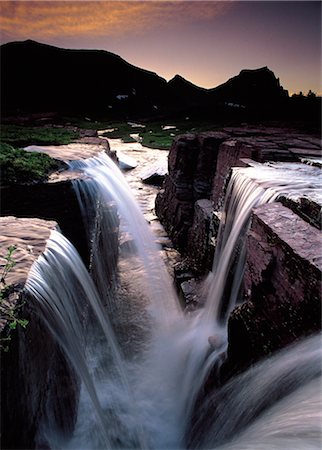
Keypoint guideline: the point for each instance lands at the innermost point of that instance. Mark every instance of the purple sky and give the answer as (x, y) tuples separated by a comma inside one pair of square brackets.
[(205, 42)]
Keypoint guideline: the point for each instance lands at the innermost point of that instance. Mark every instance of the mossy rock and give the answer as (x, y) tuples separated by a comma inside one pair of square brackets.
[(19, 166)]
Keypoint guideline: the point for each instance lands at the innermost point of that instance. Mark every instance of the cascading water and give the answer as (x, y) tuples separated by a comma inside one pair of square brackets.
[(64, 290), (250, 187), (146, 401), (275, 404), (106, 184)]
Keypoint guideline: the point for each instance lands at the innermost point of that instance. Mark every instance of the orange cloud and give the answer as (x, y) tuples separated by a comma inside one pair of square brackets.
[(46, 19)]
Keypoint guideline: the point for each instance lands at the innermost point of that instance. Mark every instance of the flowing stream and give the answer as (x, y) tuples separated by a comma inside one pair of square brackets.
[(140, 358)]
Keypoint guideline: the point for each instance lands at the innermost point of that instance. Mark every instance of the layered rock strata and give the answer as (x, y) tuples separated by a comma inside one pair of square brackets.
[(281, 288), (199, 168), (37, 384), (191, 167), (281, 285)]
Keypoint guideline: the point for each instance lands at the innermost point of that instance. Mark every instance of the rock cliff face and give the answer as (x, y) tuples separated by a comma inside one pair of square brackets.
[(281, 289), (282, 286), (38, 386), (49, 201), (192, 165), (199, 169)]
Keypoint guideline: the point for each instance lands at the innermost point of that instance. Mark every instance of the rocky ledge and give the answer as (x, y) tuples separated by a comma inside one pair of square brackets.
[(35, 376), (86, 147), (199, 168)]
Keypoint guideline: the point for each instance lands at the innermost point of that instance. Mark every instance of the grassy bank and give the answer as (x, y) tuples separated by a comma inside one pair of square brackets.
[(21, 136), (154, 134)]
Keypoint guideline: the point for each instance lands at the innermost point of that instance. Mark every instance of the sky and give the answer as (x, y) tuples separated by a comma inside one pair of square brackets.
[(206, 42)]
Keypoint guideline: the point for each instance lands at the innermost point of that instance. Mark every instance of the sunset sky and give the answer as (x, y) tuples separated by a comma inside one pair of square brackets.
[(205, 42)]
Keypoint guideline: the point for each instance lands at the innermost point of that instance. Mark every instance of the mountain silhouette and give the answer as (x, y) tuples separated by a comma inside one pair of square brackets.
[(250, 87), (37, 77)]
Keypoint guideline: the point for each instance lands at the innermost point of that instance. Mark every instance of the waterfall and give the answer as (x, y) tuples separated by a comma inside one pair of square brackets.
[(248, 188), (61, 285), (106, 185), (142, 361)]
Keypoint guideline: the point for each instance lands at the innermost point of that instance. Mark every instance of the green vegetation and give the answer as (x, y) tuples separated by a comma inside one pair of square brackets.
[(21, 136), (8, 313), (17, 165), (154, 134)]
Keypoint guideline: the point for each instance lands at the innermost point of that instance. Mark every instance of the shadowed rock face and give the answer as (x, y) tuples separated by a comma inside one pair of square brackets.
[(49, 201), (37, 383), (192, 166), (282, 285)]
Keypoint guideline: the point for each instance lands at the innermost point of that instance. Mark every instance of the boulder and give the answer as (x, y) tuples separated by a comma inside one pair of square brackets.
[(154, 175), (126, 162)]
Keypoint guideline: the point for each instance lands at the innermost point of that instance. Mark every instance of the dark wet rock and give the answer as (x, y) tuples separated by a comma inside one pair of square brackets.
[(183, 272), (192, 294), (282, 286), (199, 245), (229, 155), (37, 383), (192, 166), (49, 201)]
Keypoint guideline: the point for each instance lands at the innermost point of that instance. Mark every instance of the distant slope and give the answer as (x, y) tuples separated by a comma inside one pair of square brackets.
[(38, 77), (41, 78)]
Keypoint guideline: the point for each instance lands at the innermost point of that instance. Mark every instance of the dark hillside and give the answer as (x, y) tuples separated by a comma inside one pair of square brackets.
[(37, 77)]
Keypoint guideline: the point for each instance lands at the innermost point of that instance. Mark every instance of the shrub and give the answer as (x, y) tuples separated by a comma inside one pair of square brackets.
[(19, 166)]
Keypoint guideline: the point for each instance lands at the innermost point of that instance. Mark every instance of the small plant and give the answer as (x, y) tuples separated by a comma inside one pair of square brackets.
[(10, 263), (8, 313)]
